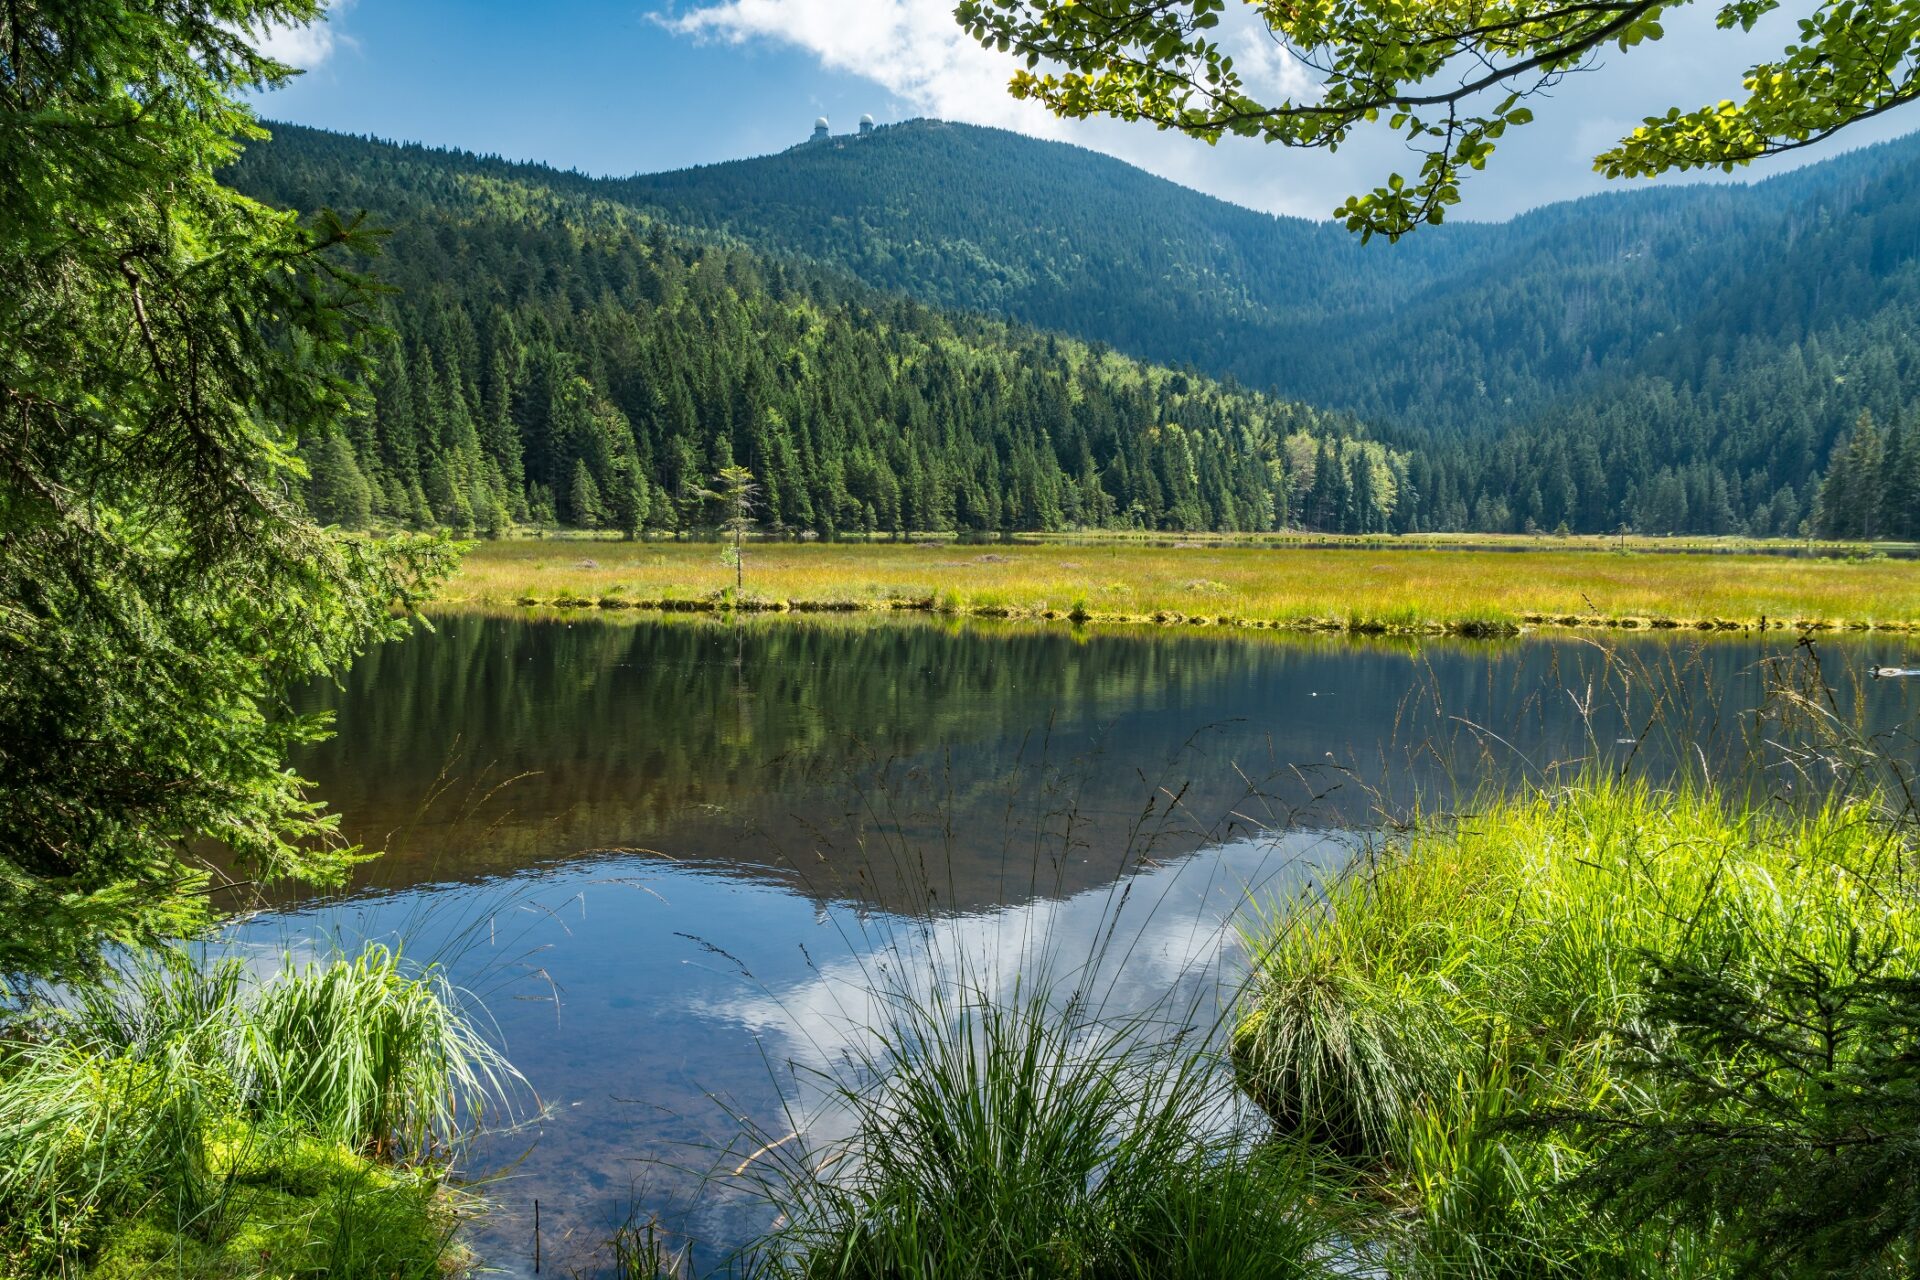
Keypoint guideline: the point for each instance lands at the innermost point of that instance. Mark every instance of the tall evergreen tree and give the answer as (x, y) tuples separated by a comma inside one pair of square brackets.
[(583, 498), (164, 344), (337, 490)]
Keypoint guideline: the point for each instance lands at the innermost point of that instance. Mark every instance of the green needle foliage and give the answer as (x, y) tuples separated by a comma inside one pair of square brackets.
[(164, 343), (1790, 1109)]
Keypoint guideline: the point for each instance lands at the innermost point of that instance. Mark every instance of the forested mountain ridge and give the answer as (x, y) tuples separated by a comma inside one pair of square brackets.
[(1681, 359), (1500, 315), (562, 358)]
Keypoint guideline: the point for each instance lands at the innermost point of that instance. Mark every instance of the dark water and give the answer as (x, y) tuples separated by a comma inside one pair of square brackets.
[(669, 855)]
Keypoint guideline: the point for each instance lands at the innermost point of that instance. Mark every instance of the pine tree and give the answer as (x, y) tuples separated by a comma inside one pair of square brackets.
[(1322, 503), (490, 516), (1361, 489), (166, 346), (583, 498), (337, 491), (1851, 494), (629, 501), (446, 498), (1900, 498)]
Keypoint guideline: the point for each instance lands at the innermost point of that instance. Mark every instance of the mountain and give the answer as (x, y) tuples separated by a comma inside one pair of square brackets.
[(1671, 358), (1689, 356), (557, 356), (1058, 237), (1457, 325)]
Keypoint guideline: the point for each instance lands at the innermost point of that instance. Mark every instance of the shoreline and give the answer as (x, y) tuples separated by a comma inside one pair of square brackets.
[(1481, 627)]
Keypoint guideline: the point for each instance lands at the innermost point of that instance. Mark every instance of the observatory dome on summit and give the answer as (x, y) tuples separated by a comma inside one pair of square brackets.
[(820, 129)]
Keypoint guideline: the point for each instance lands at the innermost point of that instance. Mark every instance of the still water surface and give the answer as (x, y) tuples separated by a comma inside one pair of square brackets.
[(667, 854)]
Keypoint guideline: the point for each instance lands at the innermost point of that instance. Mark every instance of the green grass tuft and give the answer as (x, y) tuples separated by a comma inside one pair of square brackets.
[(189, 1119)]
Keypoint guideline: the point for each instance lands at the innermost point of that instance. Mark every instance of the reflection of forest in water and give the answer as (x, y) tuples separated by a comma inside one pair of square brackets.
[(802, 749)]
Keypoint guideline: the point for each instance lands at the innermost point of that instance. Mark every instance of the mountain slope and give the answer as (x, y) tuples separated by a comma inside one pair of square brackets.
[(1674, 359), (562, 357), (1462, 327)]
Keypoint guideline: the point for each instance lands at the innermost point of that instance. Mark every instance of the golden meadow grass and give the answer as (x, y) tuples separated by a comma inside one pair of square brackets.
[(1359, 587)]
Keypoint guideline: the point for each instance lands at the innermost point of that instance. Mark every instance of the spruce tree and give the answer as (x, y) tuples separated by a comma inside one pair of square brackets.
[(337, 491), (630, 502), (583, 498), (164, 344), (1900, 498)]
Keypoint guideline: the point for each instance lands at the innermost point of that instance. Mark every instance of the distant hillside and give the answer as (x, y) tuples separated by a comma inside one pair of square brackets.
[(1056, 236), (1455, 327), (560, 357), (1709, 342), (1678, 358)]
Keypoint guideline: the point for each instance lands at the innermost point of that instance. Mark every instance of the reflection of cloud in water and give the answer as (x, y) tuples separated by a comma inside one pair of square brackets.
[(646, 1045), (1155, 947)]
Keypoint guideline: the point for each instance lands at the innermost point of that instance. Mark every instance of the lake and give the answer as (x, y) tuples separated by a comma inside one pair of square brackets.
[(671, 855)]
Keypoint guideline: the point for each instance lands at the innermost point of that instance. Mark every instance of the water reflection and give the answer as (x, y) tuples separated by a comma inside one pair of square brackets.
[(788, 750), (668, 855), (652, 1004)]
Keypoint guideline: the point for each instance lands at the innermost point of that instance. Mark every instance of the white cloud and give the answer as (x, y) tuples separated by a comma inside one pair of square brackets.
[(1162, 949), (307, 45), (915, 51), (911, 48)]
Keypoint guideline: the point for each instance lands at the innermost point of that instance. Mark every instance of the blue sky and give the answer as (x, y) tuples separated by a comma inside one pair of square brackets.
[(617, 88)]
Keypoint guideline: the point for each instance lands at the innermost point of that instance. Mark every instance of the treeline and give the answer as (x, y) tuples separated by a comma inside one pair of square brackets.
[(1675, 360), (1739, 447), (556, 360)]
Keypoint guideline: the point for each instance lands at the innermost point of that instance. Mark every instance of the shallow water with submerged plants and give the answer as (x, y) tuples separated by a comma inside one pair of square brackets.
[(675, 859)]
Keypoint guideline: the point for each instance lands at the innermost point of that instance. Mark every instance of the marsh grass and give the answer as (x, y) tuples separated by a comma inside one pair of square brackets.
[(192, 1117), (1013, 1136), (363, 1052), (1362, 588), (1488, 965)]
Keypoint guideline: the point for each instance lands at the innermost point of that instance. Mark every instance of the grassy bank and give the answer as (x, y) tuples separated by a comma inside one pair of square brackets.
[(1535, 1032), (189, 1119), (1364, 589)]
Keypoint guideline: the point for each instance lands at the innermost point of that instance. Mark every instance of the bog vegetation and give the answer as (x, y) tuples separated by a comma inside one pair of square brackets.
[(187, 1116), (1357, 588)]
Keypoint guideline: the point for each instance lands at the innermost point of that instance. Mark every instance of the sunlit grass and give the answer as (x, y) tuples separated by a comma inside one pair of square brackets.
[(1354, 588), (1485, 967), (187, 1118)]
